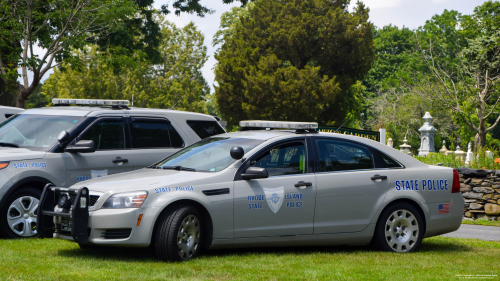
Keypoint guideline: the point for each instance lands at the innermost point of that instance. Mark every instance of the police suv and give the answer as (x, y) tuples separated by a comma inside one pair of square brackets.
[(64, 145), (261, 188)]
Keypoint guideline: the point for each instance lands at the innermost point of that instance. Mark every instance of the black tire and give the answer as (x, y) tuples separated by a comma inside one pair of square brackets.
[(168, 234), (404, 231), (7, 214)]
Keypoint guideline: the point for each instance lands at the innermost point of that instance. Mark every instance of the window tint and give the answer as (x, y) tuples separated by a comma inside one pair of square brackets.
[(106, 134), (148, 133), (389, 161), (340, 156), (175, 138), (205, 129), (285, 159)]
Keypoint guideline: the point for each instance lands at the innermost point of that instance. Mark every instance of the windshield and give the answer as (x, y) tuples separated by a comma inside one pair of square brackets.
[(35, 132), (208, 155)]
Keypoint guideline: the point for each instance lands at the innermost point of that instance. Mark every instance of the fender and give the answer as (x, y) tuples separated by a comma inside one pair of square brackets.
[(19, 183)]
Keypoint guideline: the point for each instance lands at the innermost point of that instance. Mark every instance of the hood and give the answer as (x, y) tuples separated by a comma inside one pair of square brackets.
[(17, 154), (143, 179)]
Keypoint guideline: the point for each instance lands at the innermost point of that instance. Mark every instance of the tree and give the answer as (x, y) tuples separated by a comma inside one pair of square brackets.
[(294, 60), (55, 26), (176, 82), (463, 75)]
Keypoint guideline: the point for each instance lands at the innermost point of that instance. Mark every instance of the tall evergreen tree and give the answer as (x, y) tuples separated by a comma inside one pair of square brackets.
[(295, 60)]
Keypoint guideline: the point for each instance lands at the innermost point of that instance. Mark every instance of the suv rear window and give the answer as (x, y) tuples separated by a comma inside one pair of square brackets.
[(154, 133), (205, 129)]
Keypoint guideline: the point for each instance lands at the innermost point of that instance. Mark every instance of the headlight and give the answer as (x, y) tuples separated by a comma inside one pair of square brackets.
[(126, 200)]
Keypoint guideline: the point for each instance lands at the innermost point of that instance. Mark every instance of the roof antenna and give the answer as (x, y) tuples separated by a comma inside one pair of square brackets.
[(176, 102), (343, 124)]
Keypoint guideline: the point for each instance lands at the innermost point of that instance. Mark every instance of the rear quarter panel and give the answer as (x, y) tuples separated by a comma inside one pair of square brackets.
[(429, 187)]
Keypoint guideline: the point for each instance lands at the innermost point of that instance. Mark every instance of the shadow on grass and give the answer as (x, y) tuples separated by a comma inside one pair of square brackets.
[(147, 255)]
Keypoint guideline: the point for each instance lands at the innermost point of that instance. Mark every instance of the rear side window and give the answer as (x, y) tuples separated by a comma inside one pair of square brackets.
[(391, 163), (154, 133), (342, 156), (205, 129)]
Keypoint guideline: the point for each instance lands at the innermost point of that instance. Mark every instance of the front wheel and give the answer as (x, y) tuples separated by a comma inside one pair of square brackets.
[(399, 229), (179, 234), (18, 216)]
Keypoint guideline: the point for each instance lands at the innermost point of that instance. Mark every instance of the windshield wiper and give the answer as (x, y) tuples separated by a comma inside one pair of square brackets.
[(8, 144), (178, 168)]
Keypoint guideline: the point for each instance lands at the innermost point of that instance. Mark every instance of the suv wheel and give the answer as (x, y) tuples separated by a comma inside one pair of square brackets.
[(179, 234), (399, 229), (18, 215)]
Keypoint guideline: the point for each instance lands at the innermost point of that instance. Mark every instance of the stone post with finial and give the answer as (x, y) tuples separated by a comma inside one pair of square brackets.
[(405, 147), (427, 136), (389, 142), (443, 149)]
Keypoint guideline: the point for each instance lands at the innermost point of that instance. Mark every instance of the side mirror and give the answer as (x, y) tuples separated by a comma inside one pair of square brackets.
[(255, 173), (237, 152), (63, 136), (83, 146)]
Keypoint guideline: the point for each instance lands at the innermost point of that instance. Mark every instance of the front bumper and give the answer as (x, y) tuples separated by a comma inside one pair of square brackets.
[(102, 227)]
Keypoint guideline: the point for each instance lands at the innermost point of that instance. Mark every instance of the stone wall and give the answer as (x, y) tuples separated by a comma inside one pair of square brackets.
[(481, 192)]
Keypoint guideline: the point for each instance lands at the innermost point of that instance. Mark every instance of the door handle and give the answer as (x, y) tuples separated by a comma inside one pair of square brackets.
[(379, 177), (120, 160), (301, 183)]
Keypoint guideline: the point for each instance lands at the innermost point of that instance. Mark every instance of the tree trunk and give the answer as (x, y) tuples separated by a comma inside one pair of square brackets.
[(479, 140), (24, 93)]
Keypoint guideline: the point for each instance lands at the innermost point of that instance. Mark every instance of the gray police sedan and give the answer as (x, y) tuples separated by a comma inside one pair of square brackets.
[(262, 188)]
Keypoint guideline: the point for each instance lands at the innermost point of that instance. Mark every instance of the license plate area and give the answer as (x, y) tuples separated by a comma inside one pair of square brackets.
[(66, 224)]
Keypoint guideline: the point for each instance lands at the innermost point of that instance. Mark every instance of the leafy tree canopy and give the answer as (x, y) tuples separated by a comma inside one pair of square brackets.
[(294, 60), (176, 82)]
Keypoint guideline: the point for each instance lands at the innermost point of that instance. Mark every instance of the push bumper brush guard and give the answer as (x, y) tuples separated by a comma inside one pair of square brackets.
[(77, 211)]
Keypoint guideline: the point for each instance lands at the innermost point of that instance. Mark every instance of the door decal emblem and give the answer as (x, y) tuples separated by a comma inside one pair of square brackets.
[(274, 197), (98, 173)]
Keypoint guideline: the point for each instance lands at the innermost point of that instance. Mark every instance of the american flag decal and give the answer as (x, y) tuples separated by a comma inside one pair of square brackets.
[(444, 208)]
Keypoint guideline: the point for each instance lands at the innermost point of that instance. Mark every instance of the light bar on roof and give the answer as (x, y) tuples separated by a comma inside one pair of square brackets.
[(278, 124), (90, 102)]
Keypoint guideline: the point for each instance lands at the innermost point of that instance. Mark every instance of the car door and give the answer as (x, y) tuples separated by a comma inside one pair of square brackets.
[(348, 191), (111, 155), (283, 203), (153, 139)]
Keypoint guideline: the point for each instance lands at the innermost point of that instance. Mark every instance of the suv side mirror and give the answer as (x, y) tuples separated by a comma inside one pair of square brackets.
[(63, 136), (237, 152), (83, 146), (255, 173)]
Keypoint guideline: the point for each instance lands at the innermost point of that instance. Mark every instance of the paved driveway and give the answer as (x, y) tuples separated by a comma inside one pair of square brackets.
[(487, 233)]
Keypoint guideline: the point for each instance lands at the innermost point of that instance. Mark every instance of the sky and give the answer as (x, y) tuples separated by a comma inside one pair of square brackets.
[(408, 13)]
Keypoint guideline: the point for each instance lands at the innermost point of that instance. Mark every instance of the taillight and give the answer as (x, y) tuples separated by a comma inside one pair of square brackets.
[(455, 188)]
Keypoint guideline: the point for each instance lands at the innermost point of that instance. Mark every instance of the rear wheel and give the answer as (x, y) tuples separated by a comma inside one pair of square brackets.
[(399, 229), (18, 216), (179, 234)]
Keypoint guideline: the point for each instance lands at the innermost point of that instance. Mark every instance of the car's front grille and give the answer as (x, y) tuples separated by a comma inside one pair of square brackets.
[(93, 199), (116, 233)]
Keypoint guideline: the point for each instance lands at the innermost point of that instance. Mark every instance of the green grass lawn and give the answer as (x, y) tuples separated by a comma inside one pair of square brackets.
[(481, 222), (439, 258)]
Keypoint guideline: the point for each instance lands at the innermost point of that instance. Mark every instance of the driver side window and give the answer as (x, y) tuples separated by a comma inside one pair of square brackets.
[(106, 134), (284, 159)]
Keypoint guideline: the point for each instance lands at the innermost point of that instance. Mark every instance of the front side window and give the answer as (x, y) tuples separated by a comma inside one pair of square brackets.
[(35, 132), (284, 159), (150, 133), (205, 129), (106, 134), (208, 155), (337, 155)]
